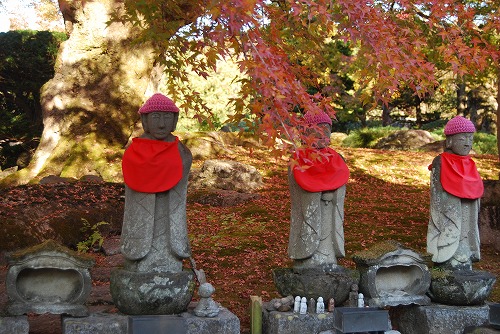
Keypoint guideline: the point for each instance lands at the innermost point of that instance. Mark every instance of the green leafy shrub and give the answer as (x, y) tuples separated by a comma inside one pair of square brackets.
[(367, 137), (485, 143), (94, 236)]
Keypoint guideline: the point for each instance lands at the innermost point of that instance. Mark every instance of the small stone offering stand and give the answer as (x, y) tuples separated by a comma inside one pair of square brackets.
[(45, 278), (392, 275), (48, 278)]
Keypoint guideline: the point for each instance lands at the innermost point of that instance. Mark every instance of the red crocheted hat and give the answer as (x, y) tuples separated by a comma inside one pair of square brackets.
[(158, 102), (458, 124), (317, 118)]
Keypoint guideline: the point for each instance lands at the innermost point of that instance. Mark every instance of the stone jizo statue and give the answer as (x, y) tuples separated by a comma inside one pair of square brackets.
[(456, 188), (155, 169), (317, 179), (154, 239)]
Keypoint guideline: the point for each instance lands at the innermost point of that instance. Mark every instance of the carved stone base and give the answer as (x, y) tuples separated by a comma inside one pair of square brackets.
[(463, 287), (393, 275), (313, 283), (48, 278), (137, 293), (437, 318)]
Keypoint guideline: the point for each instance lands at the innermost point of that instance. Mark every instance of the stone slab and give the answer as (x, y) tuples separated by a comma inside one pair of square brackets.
[(156, 324), (495, 315), (187, 323), (438, 318), (275, 322), (14, 325), (360, 320), (224, 323), (96, 323)]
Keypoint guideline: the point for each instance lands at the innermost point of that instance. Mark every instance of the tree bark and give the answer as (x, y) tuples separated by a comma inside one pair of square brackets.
[(90, 106), (461, 98), (498, 113), (418, 114), (386, 114)]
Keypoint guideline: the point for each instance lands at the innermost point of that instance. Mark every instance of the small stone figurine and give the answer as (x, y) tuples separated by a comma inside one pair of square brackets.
[(311, 307), (361, 300), (320, 306), (331, 305), (296, 305), (206, 307), (284, 304), (353, 296), (303, 305)]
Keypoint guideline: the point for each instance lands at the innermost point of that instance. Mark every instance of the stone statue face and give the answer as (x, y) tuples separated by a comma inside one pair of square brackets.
[(460, 143), (319, 135), (159, 125)]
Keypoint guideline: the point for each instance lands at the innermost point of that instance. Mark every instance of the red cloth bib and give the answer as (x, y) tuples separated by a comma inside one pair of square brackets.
[(152, 166), (459, 176), (320, 170)]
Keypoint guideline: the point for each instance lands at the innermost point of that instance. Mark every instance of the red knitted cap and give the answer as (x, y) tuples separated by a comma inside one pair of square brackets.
[(459, 124), (158, 102), (317, 118)]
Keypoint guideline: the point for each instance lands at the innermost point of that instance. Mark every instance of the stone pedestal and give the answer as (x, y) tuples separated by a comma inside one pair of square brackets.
[(138, 293), (48, 278), (392, 275), (316, 282), (275, 322), (14, 325), (437, 319), (463, 287), (184, 323)]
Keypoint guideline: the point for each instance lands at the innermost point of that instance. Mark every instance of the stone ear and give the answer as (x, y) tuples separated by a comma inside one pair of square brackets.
[(448, 142), (144, 118), (176, 119)]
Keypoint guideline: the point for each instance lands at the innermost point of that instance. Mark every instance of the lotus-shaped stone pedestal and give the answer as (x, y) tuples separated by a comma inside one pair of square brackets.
[(138, 293), (461, 287)]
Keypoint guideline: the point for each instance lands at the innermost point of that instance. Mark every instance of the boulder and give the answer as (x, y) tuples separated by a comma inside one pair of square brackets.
[(410, 140), (227, 175)]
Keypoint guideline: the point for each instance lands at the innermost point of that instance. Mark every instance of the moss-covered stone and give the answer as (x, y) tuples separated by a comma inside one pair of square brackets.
[(49, 246), (377, 250)]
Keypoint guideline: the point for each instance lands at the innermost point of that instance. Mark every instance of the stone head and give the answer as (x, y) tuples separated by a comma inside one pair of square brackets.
[(459, 133), (318, 129), (159, 116)]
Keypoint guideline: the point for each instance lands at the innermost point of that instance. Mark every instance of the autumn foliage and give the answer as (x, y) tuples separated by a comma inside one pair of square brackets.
[(280, 47)]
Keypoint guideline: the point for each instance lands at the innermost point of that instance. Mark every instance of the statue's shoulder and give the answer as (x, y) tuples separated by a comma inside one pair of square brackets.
[(436, 162), (184, 151)]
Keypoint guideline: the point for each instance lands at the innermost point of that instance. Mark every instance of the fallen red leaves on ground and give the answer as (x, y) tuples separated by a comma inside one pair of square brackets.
[(387, 198)]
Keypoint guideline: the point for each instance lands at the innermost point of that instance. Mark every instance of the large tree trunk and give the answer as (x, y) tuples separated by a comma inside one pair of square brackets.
[(461, 98), (90, 106), (386, 114), (498, 113)]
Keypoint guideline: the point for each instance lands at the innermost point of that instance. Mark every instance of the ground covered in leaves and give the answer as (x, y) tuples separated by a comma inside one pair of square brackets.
[(238, 246)]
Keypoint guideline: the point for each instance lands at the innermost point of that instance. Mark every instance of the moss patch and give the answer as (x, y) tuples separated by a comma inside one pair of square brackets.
[(377, 250), (48, 246)]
